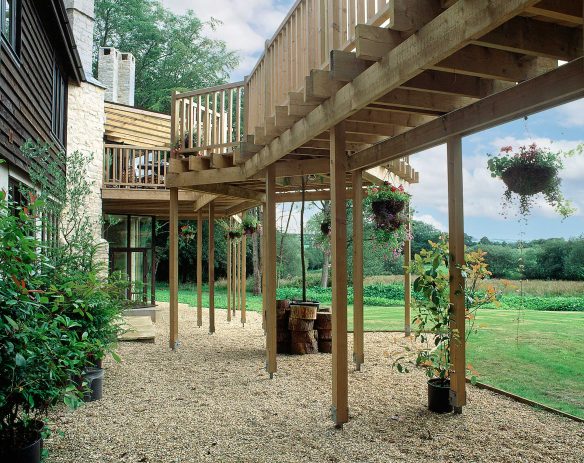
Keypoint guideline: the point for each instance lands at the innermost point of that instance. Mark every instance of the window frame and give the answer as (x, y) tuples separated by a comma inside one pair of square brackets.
[(12, 37), (59, 105)]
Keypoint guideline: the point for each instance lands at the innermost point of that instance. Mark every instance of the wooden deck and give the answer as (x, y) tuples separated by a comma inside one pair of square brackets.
[(345, 86)]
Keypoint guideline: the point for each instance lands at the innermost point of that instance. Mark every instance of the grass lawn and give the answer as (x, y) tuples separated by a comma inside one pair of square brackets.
[(540, 358)]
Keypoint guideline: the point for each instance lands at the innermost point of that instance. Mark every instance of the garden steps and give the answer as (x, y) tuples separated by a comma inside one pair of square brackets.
[(139, 328)]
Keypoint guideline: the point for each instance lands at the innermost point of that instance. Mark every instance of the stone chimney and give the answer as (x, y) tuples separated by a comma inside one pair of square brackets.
[(126, 78), (117, 71), (81, 17)]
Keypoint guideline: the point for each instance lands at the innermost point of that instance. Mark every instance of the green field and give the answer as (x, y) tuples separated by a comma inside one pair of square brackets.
[(541, 357)]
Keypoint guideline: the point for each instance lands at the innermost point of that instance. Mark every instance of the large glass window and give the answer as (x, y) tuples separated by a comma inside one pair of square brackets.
[(10, 12)]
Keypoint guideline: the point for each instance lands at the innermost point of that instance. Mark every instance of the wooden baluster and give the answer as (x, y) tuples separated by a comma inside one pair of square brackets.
[(199, 124), (230, 119), (207, 130), (370, 10), (222, 122)]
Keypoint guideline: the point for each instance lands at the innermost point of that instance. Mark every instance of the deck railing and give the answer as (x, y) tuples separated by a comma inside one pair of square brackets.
[(303, 42), (209, 120), (134, 166)]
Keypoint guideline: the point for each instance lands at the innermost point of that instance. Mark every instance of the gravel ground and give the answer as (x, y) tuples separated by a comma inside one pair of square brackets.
[(211, 401)]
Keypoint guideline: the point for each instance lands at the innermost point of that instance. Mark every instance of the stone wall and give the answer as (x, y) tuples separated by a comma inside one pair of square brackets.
[(85, 128)]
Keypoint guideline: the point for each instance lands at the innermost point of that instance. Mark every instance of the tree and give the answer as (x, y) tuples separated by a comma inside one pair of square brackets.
[(171, 50)]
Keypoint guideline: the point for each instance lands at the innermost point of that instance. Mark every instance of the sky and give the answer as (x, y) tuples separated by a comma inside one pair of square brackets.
[(247, 24)]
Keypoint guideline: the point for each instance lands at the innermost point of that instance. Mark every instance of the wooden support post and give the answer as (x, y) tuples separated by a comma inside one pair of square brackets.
[(270, 268), (229, 279), (173, 268), (456, 250), (235, 277), (211, 268), (199, 268), (338, 157), (358, 336), (408, 282), (243, 277)]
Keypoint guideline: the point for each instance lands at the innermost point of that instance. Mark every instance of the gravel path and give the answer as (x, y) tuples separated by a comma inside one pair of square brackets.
[(211, 401)]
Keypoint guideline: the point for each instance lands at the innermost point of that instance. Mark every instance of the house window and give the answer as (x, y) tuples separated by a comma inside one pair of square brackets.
[(10, 13), (58, 108)]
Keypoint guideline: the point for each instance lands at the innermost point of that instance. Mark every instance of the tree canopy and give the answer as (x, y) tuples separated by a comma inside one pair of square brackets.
[(172, 50)]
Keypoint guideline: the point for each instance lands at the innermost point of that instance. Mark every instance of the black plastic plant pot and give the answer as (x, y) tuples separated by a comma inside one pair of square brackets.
[(94, 378), (528, 179), (325, 228), (386, 213), (29, 452), (439, 395), (249, 230)]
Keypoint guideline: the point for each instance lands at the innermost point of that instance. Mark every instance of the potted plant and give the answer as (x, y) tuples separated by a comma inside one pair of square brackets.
[(434, 311), (40, 350), (387, 207), (527, 172), (325, 226), (249, 224)]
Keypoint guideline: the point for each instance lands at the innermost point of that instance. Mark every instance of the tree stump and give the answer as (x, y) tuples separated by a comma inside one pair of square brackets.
[(282, 333), (325, 347), (306, 312), (300, 324), (304, 342), (324, 321)]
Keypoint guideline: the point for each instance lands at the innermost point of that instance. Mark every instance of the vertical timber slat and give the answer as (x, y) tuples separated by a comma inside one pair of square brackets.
[(211, 267), (270, 268), (173, 267), (338, 172), (456, 251), (199, 268), (243, 277), (358, 341)]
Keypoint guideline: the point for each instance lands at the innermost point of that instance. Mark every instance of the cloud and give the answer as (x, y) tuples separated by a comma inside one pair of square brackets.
[(247, 24), (572, 114), (429, 219)]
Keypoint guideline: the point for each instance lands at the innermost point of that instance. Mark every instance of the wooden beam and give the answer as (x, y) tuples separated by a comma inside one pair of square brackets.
[(411, 15), (358, 335), (173, 269), (536, 38), (345, 66), (560, 10), (424, 100), (199, 268), (456, 254), (382, 116), (459, 23), (447, 83), (340, 394), (372, 43), (559, 86), (231, 191), (270, 269), (489, 63), (211, 272), (320, 86), (202, 201)]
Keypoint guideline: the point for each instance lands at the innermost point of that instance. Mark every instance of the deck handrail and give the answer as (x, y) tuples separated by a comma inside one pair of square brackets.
[(209, 120), (302, 42), (141, 167)]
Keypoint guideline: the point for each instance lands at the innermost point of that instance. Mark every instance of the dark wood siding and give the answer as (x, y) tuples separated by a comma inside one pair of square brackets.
[(26, 87)]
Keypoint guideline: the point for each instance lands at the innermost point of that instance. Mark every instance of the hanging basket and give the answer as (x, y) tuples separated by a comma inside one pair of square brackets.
[(249, 230), (234, 235), (529, 179), (325, 227), (386, 213)]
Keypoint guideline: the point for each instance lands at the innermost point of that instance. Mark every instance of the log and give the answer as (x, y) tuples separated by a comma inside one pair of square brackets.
[(283, 336), (300, 324), (325, 335), (283, 347), (304, 348), (282, 307), (306, 312), (304, 336), (325, 346), (324, 321)]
